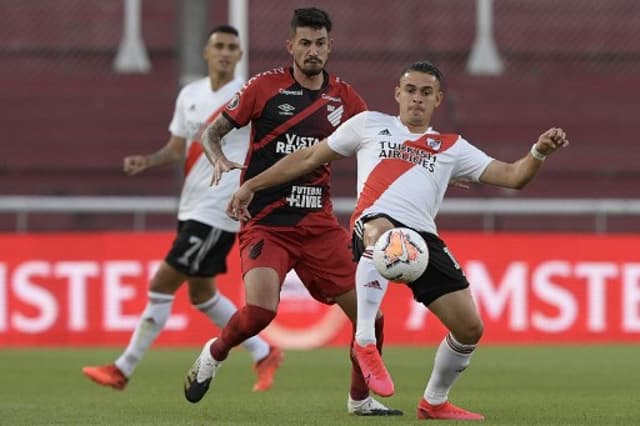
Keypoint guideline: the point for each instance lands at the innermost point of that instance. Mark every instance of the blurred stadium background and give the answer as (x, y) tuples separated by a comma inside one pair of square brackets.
[(69, 116)]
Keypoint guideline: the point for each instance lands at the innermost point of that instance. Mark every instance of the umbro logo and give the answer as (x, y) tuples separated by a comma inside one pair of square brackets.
[(192, 107), (384, 132), (286, 109), (374, 284)]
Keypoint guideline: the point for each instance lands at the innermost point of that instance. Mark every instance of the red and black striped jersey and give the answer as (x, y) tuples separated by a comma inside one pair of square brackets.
[(286, 117)]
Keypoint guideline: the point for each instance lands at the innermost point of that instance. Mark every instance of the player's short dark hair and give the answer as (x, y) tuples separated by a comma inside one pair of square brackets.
[(427, 68), (227, 29), (310, 17)]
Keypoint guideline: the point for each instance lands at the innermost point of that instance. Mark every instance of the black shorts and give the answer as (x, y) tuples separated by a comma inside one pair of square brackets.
[(200, 250), (443, 274)]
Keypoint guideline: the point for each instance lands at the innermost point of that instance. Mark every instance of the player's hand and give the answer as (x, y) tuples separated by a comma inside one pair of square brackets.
[(238, 208), (551, 140), (134, 164), (223, 165)]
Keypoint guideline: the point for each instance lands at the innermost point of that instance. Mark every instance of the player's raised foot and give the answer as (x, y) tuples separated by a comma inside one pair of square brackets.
[(106, 375), (370, 407), (201, 373), (445, 411), (375, 373), (266, 369)]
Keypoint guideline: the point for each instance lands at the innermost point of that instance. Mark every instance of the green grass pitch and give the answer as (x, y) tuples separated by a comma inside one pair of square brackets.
[(525, 385)]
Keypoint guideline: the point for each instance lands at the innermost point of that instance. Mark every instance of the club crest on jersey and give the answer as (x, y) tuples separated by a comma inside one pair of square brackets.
[(234, 102), (334, 114), (434, 144)]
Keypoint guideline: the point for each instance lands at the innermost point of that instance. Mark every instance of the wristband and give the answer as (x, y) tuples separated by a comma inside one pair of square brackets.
[(537, 154)]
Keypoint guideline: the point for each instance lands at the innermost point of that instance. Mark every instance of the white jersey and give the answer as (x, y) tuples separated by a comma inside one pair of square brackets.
[(195, 106), (404, 174)]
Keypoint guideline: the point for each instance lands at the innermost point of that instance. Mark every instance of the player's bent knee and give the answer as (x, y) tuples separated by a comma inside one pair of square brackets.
[(164, 286), (470, 334), (198, 297), (201, 290), (476, 331)]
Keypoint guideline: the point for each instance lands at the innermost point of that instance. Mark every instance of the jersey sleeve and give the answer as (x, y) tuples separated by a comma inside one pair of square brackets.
[(348, 137), (355, 103), (241, 108), (178, 125), (471, 162)]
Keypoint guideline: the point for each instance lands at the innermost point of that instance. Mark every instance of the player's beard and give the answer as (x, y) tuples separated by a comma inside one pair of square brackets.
[(311, 69)]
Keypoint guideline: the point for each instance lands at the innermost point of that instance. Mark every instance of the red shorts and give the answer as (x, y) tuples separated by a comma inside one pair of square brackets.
[(321, 256)]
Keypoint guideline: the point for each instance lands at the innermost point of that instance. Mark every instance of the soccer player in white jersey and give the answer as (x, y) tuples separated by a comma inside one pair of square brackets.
[(205, 234), (404, 167)]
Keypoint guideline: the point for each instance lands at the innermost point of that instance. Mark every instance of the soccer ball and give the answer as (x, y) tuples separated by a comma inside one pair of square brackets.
[(401, 254)]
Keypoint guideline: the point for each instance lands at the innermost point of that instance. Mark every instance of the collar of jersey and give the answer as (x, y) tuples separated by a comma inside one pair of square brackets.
[(430, 129), (325, 80)]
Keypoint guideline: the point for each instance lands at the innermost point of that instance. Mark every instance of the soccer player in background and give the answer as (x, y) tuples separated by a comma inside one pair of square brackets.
[(205, 234), (404, 167), (293, 225)]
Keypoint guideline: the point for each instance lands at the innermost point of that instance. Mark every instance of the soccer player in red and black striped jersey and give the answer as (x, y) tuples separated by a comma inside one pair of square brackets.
[(292, 225)]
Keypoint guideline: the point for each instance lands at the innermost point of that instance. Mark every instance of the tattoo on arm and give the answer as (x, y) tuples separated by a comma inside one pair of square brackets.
[(212, 136)]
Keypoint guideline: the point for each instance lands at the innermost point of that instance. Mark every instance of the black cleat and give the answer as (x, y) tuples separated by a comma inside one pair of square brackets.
[(200, 375)]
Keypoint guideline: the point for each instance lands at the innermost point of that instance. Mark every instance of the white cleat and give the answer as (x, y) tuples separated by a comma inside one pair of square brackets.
[(201, 373), (370, 407)]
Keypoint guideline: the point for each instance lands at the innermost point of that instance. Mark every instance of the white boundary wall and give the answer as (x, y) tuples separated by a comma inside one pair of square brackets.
[(488, 208)]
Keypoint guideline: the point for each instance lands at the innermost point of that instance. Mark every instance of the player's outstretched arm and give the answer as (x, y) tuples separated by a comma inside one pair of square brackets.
[(211, 138), (288, 168), (518, 174), (171, 153)]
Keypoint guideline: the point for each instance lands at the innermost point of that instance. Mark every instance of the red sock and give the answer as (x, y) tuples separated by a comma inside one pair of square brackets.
[(359, 389), (245, 323)]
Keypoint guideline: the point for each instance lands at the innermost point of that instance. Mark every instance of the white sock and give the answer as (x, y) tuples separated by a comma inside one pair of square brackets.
[(149, 326), (452, 358), (370, 288), (220, 309)]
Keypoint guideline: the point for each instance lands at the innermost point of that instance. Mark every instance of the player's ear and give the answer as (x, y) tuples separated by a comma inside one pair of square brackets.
[(396, 93), (330, 45), (439, 98), (289, 45)]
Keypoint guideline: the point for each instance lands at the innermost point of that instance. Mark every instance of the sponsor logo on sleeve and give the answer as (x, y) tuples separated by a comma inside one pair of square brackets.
[(234, 102)]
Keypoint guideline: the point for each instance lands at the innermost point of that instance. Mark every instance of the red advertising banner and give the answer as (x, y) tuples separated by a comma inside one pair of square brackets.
[(88, 289)]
